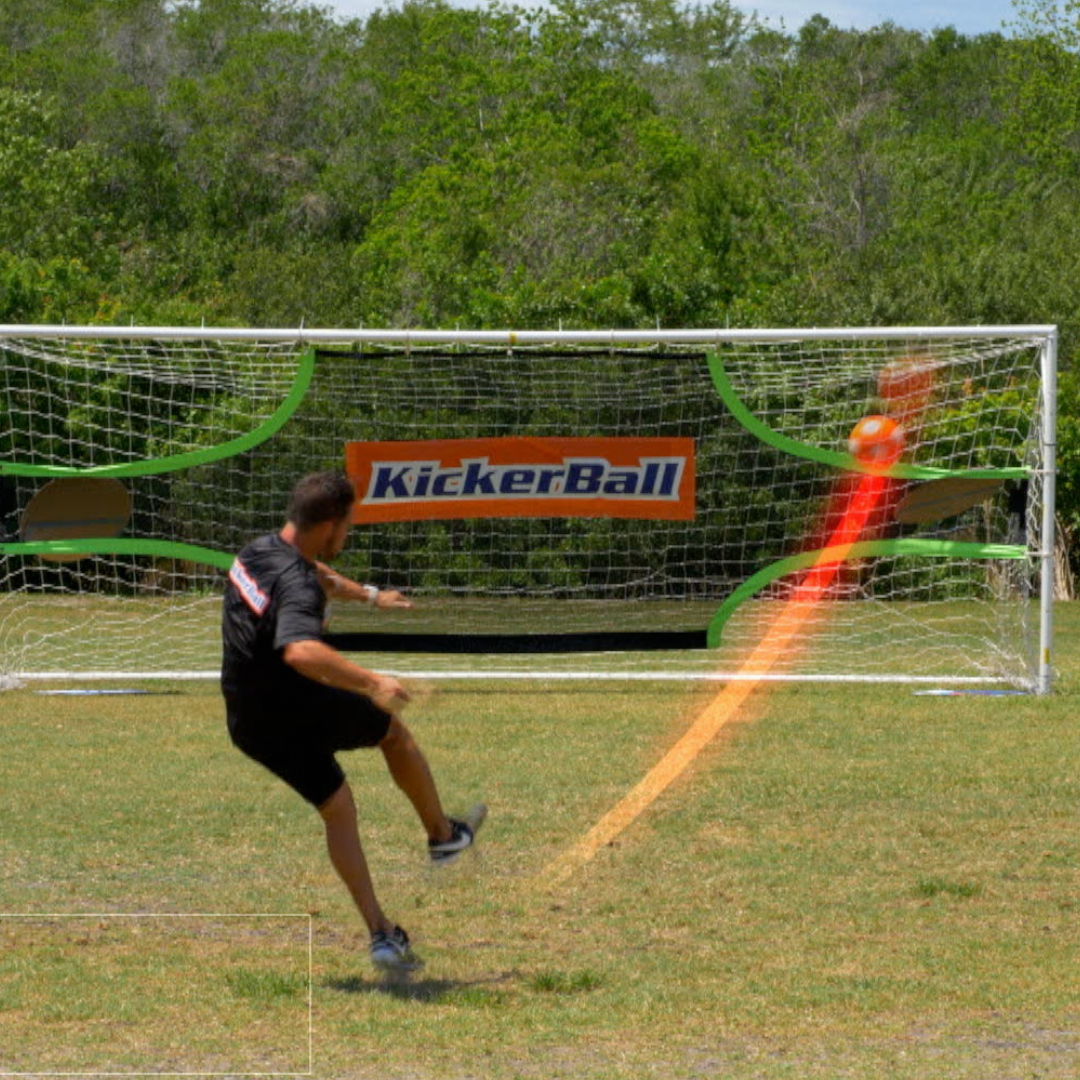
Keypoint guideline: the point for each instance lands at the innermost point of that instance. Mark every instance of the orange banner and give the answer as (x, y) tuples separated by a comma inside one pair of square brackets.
[(522, 477)]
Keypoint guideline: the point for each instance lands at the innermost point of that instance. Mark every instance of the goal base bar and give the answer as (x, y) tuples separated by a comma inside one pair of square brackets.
[(547, 675)]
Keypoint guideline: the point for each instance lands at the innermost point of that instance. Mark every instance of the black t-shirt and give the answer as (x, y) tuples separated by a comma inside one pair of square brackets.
[(273, 597)]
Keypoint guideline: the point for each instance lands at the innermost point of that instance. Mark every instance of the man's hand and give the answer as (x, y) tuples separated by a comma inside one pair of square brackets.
[(389, 694), (391, 598)]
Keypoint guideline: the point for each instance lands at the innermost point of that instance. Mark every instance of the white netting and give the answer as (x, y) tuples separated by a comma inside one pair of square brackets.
[(74, 403), (79, 403)]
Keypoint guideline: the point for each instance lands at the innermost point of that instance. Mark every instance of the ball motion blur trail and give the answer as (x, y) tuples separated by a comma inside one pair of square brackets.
[(792, 617)]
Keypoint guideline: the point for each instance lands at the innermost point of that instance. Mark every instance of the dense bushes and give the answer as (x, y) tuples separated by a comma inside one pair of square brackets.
[(592, 163)]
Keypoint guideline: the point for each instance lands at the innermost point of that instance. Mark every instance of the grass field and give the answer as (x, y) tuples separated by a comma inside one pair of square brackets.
[(848, 882)]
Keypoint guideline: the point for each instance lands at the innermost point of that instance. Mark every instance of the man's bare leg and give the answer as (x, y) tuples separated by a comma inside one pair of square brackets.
[(346, 854), (411, 773)]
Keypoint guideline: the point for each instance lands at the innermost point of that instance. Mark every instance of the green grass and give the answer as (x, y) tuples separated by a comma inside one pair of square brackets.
[(849, 882), (105, 993)]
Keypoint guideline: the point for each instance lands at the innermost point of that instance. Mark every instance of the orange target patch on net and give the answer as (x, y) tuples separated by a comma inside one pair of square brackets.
[(612, 477)]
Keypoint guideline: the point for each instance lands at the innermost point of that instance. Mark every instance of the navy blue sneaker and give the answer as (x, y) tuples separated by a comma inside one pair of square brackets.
[(392, 951), (463, 834)]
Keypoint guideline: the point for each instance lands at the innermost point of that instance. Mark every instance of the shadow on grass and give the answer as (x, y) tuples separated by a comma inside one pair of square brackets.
[(427, 990)]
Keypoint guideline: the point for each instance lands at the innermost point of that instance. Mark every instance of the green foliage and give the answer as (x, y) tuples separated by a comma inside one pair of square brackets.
[(595, 162), (1045, 79), (589, 163), (1068, 458)]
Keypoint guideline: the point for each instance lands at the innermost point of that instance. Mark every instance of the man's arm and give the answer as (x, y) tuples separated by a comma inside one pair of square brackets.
[(316, 660), (340, 587)]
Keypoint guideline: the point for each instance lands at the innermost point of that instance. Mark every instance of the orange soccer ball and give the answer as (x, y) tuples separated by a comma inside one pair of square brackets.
[(876, 440)]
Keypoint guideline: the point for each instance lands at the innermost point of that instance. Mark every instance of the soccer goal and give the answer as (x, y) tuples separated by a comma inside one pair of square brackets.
[(629, 503)]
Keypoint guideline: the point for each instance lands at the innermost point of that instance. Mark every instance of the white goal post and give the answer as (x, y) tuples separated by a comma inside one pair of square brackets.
[(621, 503)]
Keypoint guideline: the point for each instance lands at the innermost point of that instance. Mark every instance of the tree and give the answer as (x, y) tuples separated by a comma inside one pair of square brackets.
[(1045, 79), (51, 229)]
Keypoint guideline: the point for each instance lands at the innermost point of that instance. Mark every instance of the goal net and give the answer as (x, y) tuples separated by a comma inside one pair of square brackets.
[(577, 503)]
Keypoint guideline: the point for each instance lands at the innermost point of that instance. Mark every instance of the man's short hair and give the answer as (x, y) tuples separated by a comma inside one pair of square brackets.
[(325, 496)]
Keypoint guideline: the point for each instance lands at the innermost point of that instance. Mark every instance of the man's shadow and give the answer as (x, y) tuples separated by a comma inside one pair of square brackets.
[(412, 987)]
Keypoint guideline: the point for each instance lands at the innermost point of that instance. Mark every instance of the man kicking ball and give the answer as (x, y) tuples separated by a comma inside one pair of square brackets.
[(292, 701)]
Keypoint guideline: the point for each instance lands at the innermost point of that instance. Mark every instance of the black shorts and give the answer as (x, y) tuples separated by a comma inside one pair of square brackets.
[(297, 733)]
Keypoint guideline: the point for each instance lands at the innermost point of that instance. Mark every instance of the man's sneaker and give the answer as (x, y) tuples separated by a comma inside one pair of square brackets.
[(392, 951), (463, 833)]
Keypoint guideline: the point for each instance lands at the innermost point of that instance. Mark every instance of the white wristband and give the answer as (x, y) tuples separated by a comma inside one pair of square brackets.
[(372, 594)]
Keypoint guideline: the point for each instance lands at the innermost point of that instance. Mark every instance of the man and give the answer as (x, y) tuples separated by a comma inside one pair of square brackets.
[(293, 701)]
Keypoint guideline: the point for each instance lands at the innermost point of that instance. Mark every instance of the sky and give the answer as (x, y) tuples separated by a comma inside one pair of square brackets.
[(970, 17)]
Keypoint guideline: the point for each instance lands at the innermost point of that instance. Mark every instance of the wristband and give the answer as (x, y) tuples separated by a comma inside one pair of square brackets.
[(372, 594)]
